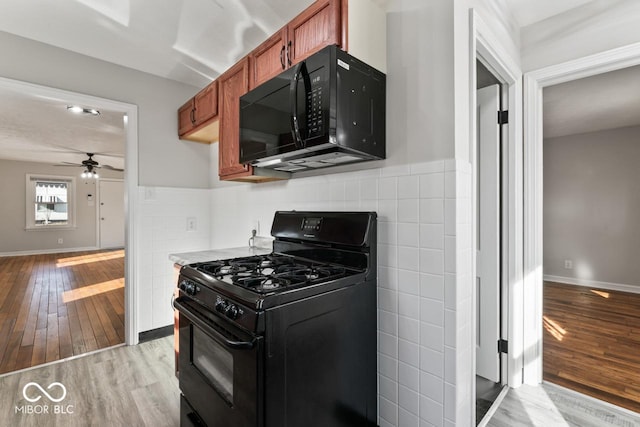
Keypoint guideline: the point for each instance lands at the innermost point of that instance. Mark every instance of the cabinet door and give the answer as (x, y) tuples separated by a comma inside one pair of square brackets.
[(206, 103), (233, 84), (185, 117), (318, 26), (269, 59)]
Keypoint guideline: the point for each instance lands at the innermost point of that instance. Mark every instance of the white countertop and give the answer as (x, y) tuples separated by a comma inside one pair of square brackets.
[(215, 254)]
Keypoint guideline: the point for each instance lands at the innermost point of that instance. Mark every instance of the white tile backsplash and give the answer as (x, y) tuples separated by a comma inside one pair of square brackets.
[(421, 322), (388, 188), (408, 234), (163, 230), (408, 210)]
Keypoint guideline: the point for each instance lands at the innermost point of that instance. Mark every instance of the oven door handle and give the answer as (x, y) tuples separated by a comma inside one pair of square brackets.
[(204, 325)]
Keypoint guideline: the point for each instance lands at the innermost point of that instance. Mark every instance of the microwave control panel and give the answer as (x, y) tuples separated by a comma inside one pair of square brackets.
[(315, 120)]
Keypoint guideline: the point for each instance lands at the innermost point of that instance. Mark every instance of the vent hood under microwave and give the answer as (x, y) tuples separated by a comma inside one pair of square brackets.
[(325, 111)]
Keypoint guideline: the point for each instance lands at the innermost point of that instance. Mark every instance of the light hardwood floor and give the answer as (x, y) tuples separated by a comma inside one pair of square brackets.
[(592, 342), (123, 386), (548, 405), (55, 306)]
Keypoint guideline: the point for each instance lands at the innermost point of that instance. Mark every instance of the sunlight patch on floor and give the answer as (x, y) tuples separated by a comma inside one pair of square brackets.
[(601, 293), (92, 290), (554, 328), (85, 259)]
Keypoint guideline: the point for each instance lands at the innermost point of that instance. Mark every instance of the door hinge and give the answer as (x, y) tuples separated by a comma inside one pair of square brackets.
[(503, 346), (503, 117)]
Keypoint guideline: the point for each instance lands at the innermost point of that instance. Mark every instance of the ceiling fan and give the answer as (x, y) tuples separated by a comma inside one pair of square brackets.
[(89, 166)]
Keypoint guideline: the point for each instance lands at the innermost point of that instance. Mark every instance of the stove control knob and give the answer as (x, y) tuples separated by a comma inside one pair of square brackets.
[(221, 305), (232, 312), (188, 287)]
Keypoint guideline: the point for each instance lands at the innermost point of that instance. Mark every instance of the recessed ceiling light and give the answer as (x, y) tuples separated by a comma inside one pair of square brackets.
[(77, 109)]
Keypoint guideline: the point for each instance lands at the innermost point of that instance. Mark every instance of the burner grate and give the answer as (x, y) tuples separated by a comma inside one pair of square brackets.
[(270, 273)]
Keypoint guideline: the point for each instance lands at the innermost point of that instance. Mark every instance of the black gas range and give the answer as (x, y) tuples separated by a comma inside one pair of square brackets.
[(288, 338)]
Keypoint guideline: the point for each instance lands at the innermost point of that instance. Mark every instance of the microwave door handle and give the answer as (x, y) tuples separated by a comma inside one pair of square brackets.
[(301, 68)]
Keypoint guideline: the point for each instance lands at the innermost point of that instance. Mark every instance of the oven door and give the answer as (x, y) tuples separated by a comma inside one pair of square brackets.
[(220, 368)]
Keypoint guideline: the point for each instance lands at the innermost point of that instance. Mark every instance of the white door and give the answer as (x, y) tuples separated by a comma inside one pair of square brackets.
[(488, 238), (111, 214)]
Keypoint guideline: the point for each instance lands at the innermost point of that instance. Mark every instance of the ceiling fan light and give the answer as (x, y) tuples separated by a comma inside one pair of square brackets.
[(84, 174), (95, 175), (80, 110)]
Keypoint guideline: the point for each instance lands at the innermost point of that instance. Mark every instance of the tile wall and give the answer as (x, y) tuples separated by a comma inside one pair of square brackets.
[(161, 230), (425, 349)]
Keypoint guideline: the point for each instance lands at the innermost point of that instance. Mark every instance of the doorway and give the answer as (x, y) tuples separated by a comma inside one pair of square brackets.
[(590, 154), (111, 214), (489, 121), (534, 82), (128, 119)]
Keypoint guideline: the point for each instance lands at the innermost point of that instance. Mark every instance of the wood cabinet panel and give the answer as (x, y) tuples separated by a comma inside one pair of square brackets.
[(269, 59), (318, 26), (185, 118), (206, 104), (197, 117), (233, 84)]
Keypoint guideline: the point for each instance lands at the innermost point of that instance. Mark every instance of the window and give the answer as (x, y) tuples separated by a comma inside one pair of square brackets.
[(50, 202)]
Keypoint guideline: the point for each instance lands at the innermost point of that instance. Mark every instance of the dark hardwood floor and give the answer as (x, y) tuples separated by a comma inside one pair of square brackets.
[(592, 342), (55, 306)]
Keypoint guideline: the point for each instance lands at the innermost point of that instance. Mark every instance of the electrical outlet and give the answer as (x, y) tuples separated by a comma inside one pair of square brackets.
[(60, 240), (568, 264), (192, 224)]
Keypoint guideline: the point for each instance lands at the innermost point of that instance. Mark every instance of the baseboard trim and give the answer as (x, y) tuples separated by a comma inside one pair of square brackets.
[(153, 334), (634, 289), (48, 251)]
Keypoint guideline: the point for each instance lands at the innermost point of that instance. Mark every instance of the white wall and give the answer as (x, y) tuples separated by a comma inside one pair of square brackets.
[(14, 237), (595, 27), (592, 206), (163, 159)]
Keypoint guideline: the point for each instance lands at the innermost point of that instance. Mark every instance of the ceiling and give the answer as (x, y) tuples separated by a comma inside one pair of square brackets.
[(190, 41), (36, 128), (605, 101), (527, 12)]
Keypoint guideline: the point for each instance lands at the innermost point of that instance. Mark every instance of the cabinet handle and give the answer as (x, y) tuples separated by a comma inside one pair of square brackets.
[(282, 56), (289, 53), (193, 117)]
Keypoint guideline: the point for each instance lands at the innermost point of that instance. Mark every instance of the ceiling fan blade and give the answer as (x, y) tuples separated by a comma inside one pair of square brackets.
[(111, 168), (69, 164)]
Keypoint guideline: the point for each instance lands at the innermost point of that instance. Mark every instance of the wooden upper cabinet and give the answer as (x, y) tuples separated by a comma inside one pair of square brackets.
[(197, 117), (185, 118), (269, 59), (233, 84), (206, 104), (318, 26)]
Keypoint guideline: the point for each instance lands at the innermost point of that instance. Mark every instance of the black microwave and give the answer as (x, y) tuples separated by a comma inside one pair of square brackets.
[(324, 111)]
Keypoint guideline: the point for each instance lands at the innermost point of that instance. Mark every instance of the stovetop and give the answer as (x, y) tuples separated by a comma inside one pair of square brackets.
[(273, 273)]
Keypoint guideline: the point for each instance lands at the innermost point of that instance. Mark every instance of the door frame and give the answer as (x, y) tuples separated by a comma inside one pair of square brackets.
[(130, 117), (488, 48), (98, 195), (534, 82)]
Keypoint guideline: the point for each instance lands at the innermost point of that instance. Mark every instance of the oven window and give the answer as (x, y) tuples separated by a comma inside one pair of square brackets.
[(214, 362)]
